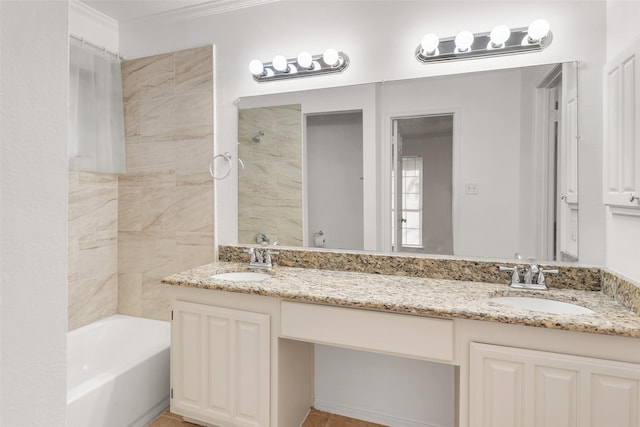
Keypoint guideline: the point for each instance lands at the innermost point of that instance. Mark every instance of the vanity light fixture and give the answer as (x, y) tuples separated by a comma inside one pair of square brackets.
[(501, 40), (305, 65)]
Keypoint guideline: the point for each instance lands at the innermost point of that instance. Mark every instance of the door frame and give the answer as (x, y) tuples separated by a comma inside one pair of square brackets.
[(385, 168)]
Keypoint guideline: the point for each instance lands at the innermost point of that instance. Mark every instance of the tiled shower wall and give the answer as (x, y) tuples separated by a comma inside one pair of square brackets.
[(93, 247), (165, 200), (270, 188)]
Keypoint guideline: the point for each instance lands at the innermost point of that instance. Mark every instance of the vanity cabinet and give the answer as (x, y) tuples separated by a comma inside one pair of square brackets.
[(622, 115), (220, 369), (518, 387)]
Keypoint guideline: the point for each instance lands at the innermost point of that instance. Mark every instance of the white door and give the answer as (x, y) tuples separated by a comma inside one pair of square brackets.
[(396, 208), (568, 166)]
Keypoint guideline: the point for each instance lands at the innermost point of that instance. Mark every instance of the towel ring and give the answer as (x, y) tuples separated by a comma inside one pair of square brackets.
[(227, 157), (241, 168)]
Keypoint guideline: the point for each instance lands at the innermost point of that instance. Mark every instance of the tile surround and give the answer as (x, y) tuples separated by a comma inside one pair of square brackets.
[(165, 209), (271, 184), (93, 262)]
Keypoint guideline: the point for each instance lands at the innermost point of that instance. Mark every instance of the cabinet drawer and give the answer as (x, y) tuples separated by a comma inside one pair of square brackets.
[(404, 335)]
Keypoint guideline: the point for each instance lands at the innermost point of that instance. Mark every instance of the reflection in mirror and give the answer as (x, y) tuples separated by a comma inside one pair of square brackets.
[(481, 164)]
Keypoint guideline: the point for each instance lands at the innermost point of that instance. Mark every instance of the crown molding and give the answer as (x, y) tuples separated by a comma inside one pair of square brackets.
[(212, 7), (89, 12)]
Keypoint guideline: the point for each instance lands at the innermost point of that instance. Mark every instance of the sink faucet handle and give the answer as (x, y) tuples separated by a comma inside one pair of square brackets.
[(515, 276), (541, 280), (252, 254)]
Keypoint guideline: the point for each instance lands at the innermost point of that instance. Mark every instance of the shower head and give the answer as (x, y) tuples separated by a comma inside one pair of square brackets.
[(256, 138)]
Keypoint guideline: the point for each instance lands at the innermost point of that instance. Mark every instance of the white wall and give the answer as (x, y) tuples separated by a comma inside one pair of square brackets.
[(623, 231), (437, 161), (334, 179), (93, 26), (410, 392), (380, 38), (33, 215)]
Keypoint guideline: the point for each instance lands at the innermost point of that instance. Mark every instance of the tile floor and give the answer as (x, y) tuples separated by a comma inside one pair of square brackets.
[(314, 419)]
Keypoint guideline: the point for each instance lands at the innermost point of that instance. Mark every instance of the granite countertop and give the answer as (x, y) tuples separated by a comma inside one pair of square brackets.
[(419, 296)]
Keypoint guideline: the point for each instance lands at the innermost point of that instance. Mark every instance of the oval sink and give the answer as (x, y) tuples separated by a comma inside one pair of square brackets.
[(543, 305), (242, 276)]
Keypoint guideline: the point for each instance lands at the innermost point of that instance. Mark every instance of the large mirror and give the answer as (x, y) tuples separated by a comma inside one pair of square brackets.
[(476, 165)]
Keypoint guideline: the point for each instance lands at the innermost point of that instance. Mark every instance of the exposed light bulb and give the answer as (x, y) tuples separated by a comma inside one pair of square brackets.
[(464, 40), (538, 30), (331, 57), (430, 43), (499, 35), (305, 60), (280, 63), (256, 68)]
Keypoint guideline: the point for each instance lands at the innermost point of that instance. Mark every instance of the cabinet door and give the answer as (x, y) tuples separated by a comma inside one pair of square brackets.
[(220, 365), (622, 114), (518, 387)]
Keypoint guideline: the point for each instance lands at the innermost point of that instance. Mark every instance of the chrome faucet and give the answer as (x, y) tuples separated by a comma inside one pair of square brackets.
[(527, 281), (260, 258)]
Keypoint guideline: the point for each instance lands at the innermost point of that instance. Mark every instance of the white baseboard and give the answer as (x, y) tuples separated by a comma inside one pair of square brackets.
[(367, 415)]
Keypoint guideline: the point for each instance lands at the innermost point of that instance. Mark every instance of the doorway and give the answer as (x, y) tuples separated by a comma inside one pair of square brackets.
[(334, 178), (422, 184)]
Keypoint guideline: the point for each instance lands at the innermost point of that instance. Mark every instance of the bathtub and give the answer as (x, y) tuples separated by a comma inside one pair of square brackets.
[(117, 372)]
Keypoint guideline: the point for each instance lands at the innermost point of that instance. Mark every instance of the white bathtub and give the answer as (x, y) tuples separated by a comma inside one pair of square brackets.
[(117, 372)]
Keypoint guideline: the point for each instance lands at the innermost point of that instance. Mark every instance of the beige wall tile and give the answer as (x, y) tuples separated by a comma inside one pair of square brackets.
[(270, 188), (130, 294), (155, 299), (194, 249), (91, 300), (158, 177), (98, 258), (194, 70), (158, 209), (195, 209), (192, 111), (157, 119), (150, 156), (165, 207), (92, 275), (192, 161), (129, 210), (148, 78), (131, 112)]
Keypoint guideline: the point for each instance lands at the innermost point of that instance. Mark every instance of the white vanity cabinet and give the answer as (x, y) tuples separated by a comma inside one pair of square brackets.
[(220, 365), (518, 387)]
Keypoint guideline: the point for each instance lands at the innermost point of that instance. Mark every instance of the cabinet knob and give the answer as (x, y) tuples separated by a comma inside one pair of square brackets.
[(633, 197)]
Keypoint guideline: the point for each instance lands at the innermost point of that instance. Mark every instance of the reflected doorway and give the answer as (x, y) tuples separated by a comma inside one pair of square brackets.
[(333, 180), (422, 184)]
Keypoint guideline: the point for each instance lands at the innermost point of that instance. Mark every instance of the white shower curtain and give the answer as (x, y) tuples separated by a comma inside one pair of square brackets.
[(96, 121)]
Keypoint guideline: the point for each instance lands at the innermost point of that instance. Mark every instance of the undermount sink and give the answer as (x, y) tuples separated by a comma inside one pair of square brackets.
[(242, 276), (543, 305)]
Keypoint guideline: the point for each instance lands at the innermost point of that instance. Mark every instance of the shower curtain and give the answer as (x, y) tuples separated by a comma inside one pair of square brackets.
[(96, 121)]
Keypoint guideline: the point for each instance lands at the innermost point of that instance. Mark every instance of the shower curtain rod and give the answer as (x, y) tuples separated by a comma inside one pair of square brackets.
[(102, 48)]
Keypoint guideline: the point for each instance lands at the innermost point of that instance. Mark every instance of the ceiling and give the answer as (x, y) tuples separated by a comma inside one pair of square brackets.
[(127, 10)]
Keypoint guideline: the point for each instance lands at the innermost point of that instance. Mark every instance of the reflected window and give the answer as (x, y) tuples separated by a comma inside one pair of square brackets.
[(412, 201)]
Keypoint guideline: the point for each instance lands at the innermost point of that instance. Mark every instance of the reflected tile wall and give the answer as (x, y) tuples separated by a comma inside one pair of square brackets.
[(270, 188), (93, 257), (165, 201)]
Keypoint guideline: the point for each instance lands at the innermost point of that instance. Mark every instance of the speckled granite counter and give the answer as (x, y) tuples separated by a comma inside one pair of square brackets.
[(420, 296)]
